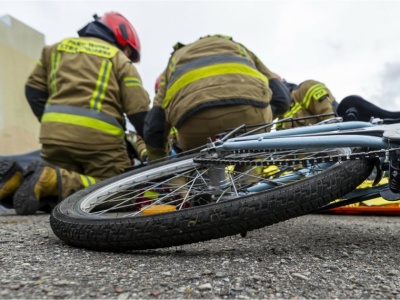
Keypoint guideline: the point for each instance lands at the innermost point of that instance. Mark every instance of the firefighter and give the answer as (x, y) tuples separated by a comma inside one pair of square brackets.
[(208, 86), (79, 91), (309, 98)]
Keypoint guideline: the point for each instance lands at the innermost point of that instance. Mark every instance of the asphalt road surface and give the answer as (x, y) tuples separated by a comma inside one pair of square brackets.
[(311, 257)]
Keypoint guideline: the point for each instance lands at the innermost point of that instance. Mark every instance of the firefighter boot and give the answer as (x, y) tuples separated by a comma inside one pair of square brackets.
[(10, 180), (40, 180)]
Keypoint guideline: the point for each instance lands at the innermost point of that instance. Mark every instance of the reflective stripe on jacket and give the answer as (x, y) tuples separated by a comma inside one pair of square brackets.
[(212, 71), (91, 84), (204, 67), (310, 98), (83, 117)]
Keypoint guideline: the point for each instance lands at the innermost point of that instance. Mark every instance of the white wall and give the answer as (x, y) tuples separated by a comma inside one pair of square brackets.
[(20, 49)]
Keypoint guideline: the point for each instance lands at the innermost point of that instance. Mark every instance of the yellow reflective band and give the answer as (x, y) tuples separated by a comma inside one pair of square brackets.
[(293, 110), (75, 45), (132, 81), (173, 131), (151, 195), (101, 85), (87, 180), (55, 61), (209, 71), (316, 92), (83, 121)]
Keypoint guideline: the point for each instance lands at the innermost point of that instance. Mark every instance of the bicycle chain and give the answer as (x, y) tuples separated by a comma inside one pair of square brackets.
[(290, 162)]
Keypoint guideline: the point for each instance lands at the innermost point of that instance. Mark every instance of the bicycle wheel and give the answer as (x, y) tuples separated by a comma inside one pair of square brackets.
[(186, 200)]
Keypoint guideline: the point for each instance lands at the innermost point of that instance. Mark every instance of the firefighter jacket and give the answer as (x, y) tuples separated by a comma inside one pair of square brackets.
[(213, 71), (310, 98), (80, 90)]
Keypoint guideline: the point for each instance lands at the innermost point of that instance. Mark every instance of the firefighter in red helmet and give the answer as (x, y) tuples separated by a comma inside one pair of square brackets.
[(80, 91), (125, 34)]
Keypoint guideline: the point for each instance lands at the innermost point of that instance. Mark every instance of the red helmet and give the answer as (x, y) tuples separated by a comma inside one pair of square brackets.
[(158, 81), (124, 33)]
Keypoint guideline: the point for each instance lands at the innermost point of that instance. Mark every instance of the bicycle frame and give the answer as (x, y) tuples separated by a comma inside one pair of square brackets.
[(350, 134), (346, 134)]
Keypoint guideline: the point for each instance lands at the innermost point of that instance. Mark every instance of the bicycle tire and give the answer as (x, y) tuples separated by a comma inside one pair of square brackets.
[(76, 227)]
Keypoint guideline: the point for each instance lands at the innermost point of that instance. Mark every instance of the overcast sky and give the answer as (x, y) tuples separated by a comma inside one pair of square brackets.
[(351, 46)]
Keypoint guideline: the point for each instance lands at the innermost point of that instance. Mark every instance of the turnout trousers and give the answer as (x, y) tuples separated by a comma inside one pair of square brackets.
[(211, 121), (80, 168)]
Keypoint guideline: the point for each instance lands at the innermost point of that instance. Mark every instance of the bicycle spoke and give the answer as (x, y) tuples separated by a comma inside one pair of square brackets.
[(191, 186)]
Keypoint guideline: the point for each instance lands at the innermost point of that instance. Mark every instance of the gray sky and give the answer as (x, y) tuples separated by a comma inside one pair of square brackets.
[(351, 46)]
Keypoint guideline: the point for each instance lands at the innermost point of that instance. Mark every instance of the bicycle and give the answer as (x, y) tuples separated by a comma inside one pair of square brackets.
[(233, 185)]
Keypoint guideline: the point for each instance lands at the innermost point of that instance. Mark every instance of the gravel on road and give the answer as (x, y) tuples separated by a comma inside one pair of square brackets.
[(317, 256)]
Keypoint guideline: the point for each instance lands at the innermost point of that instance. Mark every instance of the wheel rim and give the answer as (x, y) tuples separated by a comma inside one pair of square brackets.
[(184, 184)]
